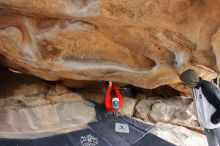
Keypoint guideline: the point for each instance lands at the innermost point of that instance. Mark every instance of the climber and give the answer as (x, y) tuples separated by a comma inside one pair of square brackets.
[(207, 102), (113, 103)]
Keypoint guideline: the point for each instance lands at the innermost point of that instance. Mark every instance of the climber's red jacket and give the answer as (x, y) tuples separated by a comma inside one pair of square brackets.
[(108, 98)]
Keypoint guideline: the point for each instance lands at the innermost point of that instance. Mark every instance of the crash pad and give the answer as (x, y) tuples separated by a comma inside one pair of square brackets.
[(85, 137), (101, 133), (137, 124), (152, 140), (106, 129)]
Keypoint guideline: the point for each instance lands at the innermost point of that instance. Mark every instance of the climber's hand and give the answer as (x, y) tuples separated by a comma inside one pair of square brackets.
[(109, 83)]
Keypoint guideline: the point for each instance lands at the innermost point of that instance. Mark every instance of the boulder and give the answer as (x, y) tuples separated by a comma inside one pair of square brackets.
[(31, 113), (177, 111), (216, 45), (45, 120), (143, 108), (59, 94), (128, 107), (31, 108), (117, 40)]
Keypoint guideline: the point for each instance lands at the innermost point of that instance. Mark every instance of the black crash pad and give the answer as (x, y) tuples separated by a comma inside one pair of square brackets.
[(85, 138), (106, 130), (152, 140), (137, 124), (12, 142), (58, 140), (101, 133)]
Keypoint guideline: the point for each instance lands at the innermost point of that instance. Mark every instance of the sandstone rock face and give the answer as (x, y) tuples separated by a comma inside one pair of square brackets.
[(176, 111), (34, 116), (128, 106), (216, 46), (143, 108), (144, 43), (31, 108), (45, 120)]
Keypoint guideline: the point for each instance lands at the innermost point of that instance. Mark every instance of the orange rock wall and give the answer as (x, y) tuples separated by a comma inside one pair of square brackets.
[(146, 43)]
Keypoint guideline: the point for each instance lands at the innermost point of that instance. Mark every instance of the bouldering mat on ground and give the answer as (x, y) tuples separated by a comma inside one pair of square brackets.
[(106, 129), (101, 133), (58, 140), (152, 140), (85, 138), (10, 142), (137, 124)]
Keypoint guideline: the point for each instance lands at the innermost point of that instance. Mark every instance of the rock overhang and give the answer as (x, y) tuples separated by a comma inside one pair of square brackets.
[(144, 43)]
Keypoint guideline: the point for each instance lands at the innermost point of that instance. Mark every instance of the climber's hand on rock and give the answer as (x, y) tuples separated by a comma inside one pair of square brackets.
[(110, 83)]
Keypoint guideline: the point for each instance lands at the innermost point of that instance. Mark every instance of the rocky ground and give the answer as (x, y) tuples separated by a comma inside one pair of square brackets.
[(35, 108)]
